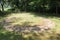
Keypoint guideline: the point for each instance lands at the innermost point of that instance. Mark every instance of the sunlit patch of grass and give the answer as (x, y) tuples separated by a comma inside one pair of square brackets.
[(29, 19), (57, 21), (21, 18)]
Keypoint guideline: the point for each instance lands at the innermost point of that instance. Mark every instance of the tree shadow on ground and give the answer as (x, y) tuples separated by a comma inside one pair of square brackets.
[(13, 36), (55, 37), (10, 36), (3, 14), (46, 15)]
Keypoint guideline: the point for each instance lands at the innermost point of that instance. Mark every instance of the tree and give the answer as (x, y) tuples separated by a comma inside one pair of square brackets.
[(33, 5), (2, 4)]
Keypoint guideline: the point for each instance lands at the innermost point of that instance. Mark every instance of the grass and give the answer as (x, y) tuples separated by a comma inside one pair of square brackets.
[(29, 19), (57, 21), (21, 18)]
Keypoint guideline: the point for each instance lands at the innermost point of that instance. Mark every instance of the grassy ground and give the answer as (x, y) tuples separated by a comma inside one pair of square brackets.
[(30, 19)]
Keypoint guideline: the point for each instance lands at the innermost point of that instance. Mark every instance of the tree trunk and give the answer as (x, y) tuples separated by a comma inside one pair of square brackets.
[(2, 7), (56, 10)]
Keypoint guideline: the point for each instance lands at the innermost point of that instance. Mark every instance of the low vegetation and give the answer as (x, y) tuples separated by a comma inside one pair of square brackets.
[(29, 19)]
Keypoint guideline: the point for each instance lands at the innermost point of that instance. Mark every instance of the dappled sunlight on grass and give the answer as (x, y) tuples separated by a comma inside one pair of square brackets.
[(30, 19), (24, 17), (57, 22)]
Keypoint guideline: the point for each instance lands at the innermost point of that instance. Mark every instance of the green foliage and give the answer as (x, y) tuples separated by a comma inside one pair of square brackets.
[(33, 5)]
